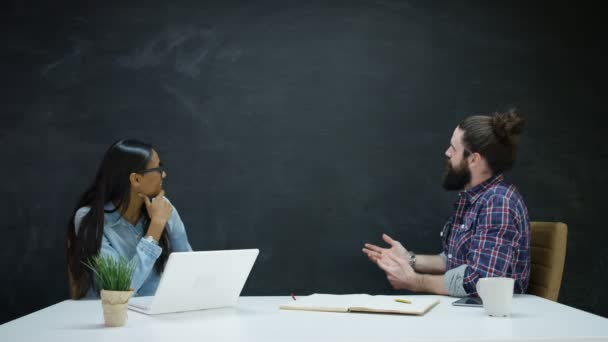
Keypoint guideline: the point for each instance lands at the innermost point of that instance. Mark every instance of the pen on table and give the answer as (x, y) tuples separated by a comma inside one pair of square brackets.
[(405, 301), (293, 296)]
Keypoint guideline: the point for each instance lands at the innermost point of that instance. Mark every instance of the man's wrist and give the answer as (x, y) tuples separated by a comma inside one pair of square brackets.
[(420, 284), (434, 284)]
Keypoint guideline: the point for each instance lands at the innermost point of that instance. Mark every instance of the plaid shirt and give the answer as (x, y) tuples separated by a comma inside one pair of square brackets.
[(490, 233)]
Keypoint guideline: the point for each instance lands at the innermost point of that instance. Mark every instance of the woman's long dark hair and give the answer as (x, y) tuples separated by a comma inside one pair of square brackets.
[(111, 185)]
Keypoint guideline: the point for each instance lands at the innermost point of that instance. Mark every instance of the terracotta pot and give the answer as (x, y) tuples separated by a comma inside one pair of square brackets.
[(115, 307)]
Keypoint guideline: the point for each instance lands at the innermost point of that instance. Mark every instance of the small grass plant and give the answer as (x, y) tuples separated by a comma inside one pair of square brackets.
[(112, 274)]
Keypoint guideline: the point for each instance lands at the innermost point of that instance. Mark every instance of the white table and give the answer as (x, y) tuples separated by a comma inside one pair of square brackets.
[(259, 319)]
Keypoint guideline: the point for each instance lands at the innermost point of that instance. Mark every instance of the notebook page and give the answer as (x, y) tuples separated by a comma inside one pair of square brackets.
[(419, 305), (326, 302)]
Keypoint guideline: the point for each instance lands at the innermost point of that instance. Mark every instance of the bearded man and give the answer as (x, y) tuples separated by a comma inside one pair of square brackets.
[(488, 234)]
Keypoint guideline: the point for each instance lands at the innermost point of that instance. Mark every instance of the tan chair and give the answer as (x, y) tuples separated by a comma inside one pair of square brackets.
[(548, 253)]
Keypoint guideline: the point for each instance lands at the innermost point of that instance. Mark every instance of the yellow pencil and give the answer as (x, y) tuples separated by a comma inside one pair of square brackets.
[(405, 301)]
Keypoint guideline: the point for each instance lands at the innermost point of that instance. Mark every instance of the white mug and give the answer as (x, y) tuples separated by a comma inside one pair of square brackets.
[(497, 295)]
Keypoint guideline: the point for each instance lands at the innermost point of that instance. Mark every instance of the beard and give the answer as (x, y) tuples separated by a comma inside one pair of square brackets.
[(454, 179)]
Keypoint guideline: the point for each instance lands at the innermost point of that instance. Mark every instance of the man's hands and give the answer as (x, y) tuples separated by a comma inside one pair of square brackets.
[(374, 253), (395, 262), (400, 274)]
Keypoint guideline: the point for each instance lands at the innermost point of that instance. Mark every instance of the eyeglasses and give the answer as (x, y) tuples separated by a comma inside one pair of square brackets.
[(160, 169)]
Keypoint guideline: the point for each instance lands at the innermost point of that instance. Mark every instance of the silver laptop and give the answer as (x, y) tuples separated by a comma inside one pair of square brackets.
[(199, 280)]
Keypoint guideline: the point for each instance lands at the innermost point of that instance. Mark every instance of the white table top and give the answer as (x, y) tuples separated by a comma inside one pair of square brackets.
[(259, 319)]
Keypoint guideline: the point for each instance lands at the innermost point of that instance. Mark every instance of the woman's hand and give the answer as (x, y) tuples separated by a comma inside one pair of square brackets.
[(159, 210)]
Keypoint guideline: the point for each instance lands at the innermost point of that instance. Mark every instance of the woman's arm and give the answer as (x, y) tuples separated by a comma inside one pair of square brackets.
[(145, 257)]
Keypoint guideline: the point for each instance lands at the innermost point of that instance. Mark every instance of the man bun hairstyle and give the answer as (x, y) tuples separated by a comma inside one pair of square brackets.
[(507, 127), (495, 137)]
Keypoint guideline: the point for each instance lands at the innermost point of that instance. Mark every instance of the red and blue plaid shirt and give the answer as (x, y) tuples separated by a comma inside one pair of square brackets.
[(490, 233)]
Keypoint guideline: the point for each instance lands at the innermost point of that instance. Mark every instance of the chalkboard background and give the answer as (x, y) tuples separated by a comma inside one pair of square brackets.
[(302, 128)]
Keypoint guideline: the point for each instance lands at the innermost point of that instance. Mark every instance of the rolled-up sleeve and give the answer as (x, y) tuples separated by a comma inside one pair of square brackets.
[(453, 281)]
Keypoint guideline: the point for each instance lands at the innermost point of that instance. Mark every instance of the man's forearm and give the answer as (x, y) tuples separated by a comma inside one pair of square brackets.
[(434, 284), (431, 264)]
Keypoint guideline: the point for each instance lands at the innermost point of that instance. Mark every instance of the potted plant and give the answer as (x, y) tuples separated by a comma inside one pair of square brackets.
[(113, 277)]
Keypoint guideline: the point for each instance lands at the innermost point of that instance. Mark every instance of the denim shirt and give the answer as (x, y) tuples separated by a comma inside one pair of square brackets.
[(122, 239)]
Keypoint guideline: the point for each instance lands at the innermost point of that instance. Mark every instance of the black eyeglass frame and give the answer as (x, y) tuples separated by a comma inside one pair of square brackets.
[(160, 169)]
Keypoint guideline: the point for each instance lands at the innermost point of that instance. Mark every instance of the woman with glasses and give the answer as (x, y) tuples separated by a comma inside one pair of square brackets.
[(124, 214)]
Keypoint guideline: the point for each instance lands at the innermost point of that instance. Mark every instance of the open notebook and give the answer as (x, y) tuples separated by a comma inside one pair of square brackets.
[(362, 303)]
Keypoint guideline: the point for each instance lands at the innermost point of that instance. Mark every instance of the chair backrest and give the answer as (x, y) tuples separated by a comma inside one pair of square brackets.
[(548, 253)]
